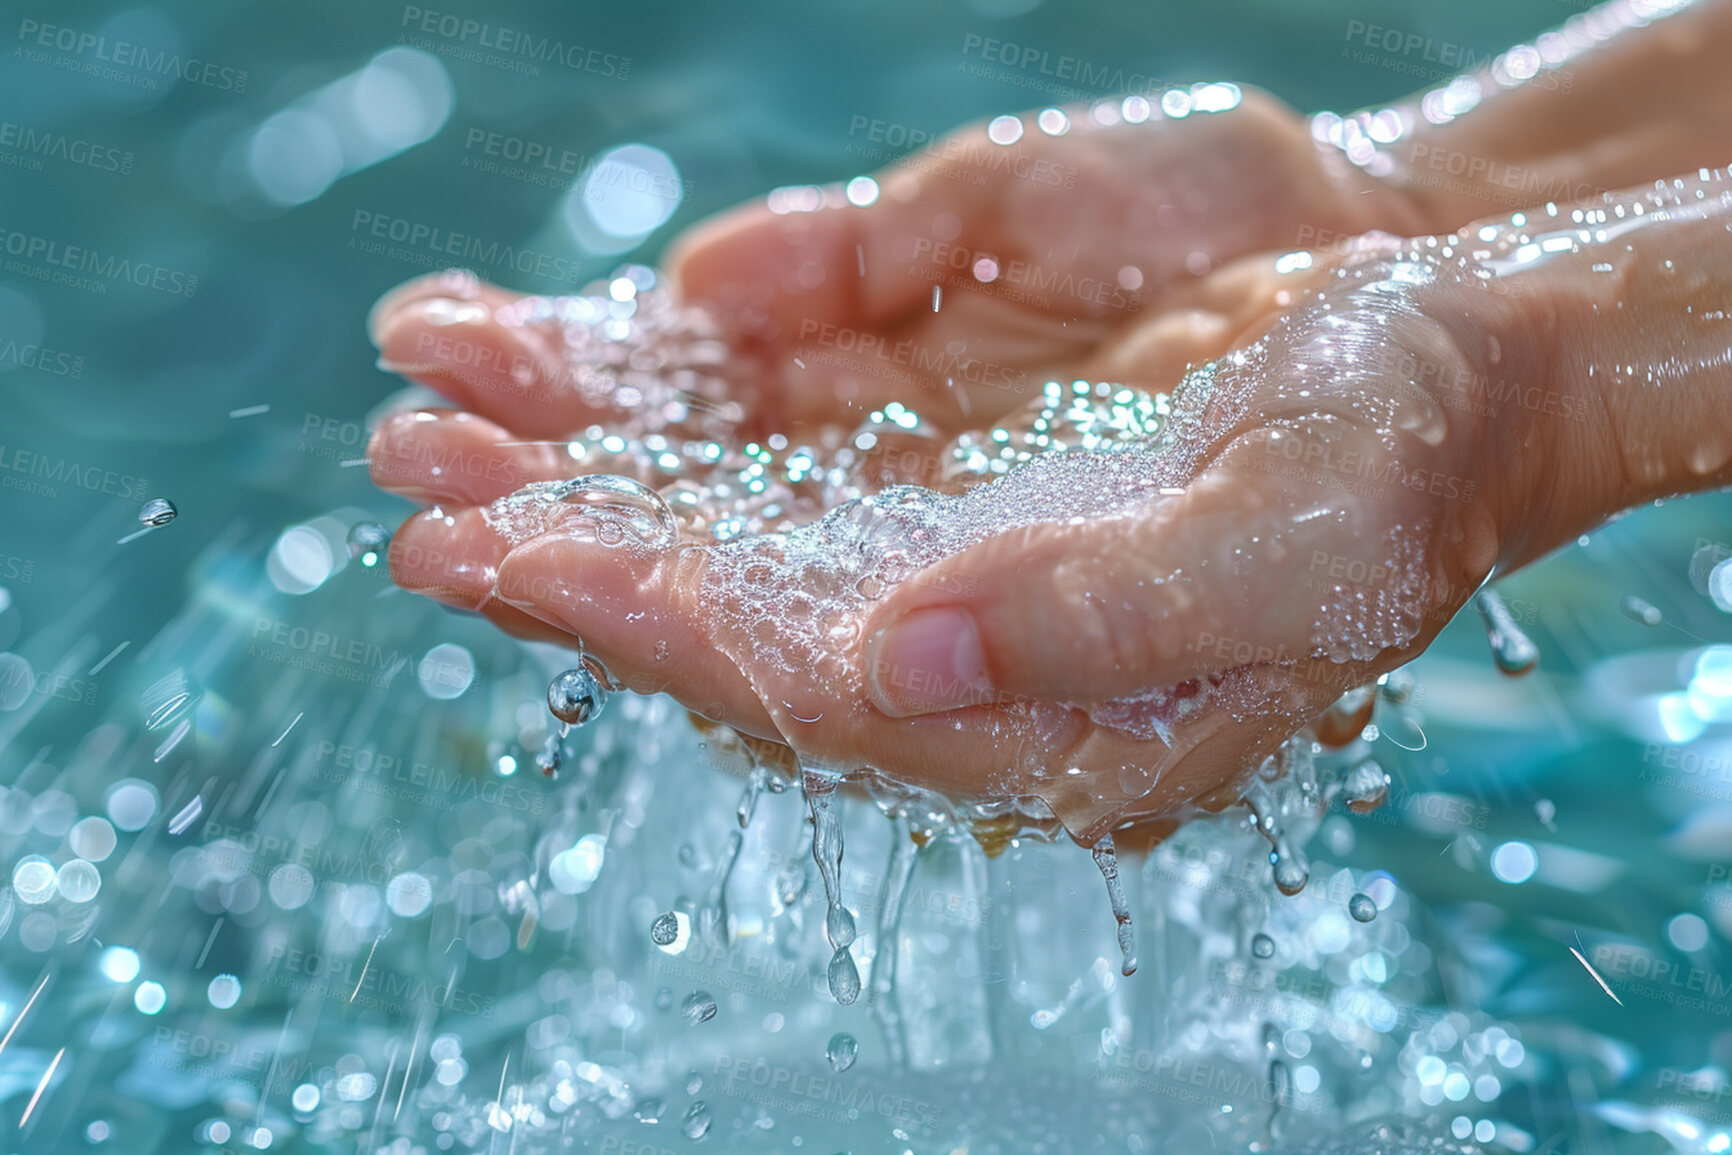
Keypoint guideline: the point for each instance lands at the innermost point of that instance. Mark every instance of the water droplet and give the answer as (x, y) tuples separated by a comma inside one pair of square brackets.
[(619, 505), (1262, 946), (1638, 610), (697, 1121), (1107, 860), (1514, 652), (576, 696), (649, 1110), (367, 541), (1291, 874), (1366, 787), (665, 929), (699, 1007), (156, 512), (790, 885), (1546, 810), (1362, 908), (842, 1051), (844, 977), (839, 926), (664, 999)]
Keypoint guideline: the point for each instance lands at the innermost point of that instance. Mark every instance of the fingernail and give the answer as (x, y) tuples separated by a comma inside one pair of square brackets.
[(929, 660)]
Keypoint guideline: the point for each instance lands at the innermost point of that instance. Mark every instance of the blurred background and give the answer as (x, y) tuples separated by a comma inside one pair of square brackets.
[(283, 874)]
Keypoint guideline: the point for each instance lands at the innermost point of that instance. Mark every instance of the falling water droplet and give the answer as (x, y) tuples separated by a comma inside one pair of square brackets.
[(1514, 652), (1638, 610), (1108, 862), (1262, 945), (699, 1007), (1291, 872), (1366, 787), (665, 929), (827, 853), (790, 885), (367, 541), (1546, 810), (697, 1121), (1362, 908), (157, 512), (842, 1051), (844, 977), (576, 696)]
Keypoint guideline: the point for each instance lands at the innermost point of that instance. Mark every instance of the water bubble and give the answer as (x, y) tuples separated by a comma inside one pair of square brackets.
[(1362, 908), (697, 1121), (1262, 945), (842, 1051), (367, 541), (620, 504), (1637, 610), (844, 977), (1366, 787), (665, 929), (699, 1007), (576, 696), (1514, 652), (157, 512)]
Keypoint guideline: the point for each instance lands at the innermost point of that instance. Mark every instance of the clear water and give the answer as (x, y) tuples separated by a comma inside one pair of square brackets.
[(286, 872)]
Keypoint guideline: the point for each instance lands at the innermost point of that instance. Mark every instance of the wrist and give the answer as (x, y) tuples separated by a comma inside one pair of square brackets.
[(1616, 322)]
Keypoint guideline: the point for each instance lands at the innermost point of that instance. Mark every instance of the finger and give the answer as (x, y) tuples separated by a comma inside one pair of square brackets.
[(459, 458), (637, 611), (450, 555), (1193, 584), (479, 351)]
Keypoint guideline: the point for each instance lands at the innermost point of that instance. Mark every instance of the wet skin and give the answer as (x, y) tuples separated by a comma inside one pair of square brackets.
[(1373, 361)]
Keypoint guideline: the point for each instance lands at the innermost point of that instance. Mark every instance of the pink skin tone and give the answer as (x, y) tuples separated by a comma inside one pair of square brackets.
[(1359, 358)]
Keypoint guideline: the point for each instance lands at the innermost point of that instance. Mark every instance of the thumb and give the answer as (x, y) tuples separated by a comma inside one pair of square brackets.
[(1223, 575)]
